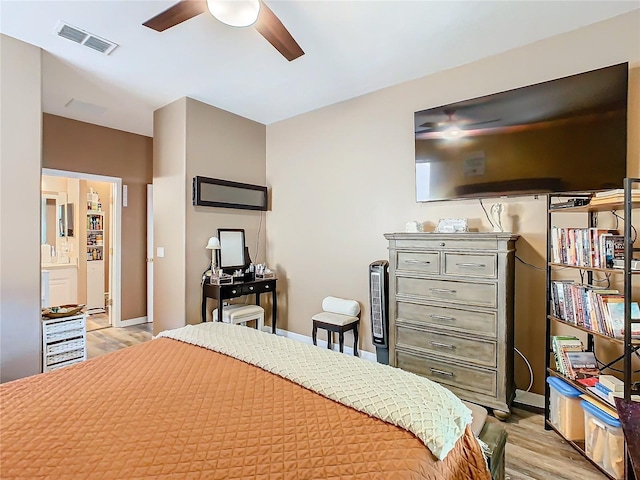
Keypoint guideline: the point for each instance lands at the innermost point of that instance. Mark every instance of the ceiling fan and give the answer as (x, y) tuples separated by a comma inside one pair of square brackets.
[(237, 13), (451, 124)]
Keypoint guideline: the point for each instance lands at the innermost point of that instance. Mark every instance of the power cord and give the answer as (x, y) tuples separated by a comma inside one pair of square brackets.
[(635, 232), (258, 240), (486, 213), (528, 366), (611, 368), (530, 265)]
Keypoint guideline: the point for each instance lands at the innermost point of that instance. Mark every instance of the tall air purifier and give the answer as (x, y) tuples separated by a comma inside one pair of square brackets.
[(378, 300)]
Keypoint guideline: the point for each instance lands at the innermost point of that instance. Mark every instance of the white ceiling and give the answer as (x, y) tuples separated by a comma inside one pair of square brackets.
[(352, 48)]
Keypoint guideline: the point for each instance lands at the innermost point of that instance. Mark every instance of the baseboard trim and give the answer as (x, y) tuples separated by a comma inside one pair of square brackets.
[(323, 344), (132, 321), (529, 401)]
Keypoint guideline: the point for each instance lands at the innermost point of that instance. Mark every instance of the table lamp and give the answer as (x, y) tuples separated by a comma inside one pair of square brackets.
[(213, 244)]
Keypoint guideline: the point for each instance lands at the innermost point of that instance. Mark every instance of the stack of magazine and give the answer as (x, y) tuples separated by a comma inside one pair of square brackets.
[(613, 196)]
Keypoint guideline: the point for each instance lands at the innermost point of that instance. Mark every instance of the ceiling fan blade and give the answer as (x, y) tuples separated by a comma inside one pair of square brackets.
[(483, 122), (178, 13), (272, 29)]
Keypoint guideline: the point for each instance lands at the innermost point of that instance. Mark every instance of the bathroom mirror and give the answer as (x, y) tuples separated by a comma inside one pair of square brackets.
[(49, 219), (62, 220), (69, 215), (231, 253)]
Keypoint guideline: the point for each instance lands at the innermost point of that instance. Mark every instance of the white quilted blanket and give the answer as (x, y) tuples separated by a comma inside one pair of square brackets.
[(431, 412)]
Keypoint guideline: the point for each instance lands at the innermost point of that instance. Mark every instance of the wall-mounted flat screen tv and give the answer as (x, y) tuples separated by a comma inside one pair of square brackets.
[(564, 135)]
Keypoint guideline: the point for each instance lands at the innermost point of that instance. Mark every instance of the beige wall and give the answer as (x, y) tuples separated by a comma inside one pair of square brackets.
[(82, 147), (20, 157), (227, 146), (342, 176), (169, 158), (192, 138)]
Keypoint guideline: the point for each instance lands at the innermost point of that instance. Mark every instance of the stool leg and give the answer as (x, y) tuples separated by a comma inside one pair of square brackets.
[(314, 333), (355, 341), (341, 339)]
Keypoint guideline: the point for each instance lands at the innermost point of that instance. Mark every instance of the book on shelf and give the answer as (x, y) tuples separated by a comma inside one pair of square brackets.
[(583, 305), (602, 396), (615, 192), (613, 395), (611, 383), (615, 307), (613, 196), (560, 345), (582, 247), (581, 364), (595, 400), (613, 248), (588, 382)]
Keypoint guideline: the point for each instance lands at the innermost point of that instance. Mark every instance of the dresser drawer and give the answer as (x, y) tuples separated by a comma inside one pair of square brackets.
[(481, 294), (418, 262), (448, 244), (466, 321), (470, 265), (478, 352), (467, 378)]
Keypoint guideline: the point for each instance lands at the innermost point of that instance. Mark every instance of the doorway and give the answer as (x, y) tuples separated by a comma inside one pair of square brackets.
[(83, 263)]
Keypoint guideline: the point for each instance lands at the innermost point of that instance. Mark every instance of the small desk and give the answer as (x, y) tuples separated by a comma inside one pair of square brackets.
[(629, 412), (234, 290)]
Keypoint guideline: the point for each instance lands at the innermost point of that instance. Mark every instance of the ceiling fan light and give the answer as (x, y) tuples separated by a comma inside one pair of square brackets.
[(236, 13), (452, 132)]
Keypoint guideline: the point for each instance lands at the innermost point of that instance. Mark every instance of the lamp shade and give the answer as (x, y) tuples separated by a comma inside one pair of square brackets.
[(213, 244), (237, 13)]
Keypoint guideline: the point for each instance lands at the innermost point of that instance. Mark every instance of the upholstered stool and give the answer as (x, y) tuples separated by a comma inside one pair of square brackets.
[(338, 315), (242, 314)]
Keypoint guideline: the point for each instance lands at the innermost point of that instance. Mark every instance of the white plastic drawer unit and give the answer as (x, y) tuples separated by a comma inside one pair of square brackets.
[(63, 357), (67, 346), (63, 342), (59, 325)]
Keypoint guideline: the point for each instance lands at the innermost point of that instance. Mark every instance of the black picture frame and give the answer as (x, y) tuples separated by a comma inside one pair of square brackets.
[(215, 192)]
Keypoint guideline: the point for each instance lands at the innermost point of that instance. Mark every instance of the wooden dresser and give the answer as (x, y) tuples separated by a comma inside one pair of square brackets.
[(451, 312)]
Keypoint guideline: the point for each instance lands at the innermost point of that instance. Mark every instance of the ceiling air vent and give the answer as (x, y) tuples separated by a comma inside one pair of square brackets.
[(85, 38)]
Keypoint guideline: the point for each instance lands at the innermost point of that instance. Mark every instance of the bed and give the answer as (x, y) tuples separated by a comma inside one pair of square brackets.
[(178, 408)]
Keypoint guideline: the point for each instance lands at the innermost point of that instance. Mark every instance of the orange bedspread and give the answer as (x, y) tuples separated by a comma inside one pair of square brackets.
[(166, 409)]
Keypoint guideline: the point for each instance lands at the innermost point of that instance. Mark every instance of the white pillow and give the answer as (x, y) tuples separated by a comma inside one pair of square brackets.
[(341, 306)]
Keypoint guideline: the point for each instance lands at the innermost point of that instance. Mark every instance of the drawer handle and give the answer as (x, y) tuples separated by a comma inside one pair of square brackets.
[(471, 265), (424, 262), (442, 244), (234, 291), (266, 287), (443, 345), (443, 290), (441, 372), (442, 317), (251, 288)]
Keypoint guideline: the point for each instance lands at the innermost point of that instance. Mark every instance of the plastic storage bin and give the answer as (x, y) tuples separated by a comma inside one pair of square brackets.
[(565, 412), (604, 440)]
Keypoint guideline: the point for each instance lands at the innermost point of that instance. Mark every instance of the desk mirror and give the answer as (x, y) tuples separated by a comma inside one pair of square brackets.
[(231, 255)]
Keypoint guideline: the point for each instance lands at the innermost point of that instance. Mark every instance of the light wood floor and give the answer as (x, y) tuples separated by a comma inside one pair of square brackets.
[(532, 453), (97, 321), (110, 339), (535, 453)]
